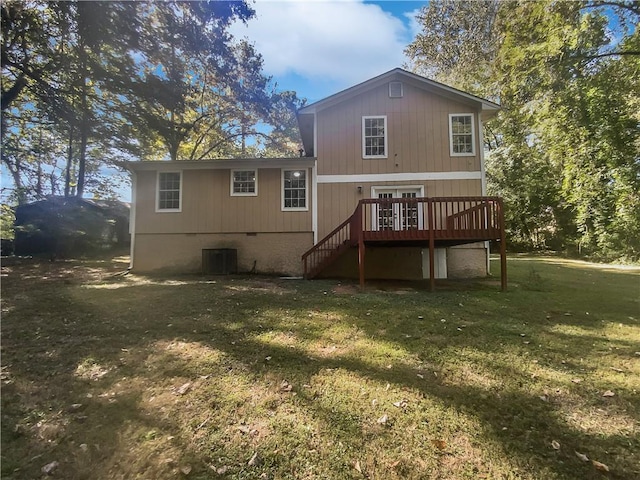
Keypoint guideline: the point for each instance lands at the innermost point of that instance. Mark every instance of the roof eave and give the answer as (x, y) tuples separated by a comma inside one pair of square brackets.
[(220, 164)]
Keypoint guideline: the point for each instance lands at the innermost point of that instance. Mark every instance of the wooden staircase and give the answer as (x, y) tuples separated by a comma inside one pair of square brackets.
[(331, 247), (441, 221)]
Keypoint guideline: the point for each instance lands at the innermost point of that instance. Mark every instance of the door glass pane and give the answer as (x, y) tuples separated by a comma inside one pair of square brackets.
[(385, 212), (409, 212)]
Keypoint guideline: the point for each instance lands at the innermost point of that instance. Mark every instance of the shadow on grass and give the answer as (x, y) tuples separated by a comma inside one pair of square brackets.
[(47, 335)]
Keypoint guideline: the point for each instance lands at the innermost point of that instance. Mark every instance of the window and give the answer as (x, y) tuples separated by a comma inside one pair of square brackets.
[(244, 183), (294, 190), (461, 133), (169, 191), (374, 137)]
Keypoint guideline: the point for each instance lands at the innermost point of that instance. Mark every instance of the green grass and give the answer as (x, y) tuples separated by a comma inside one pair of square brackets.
[(191, 377)]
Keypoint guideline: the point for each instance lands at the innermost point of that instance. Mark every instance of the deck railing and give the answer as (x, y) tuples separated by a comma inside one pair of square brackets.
[(451, 219), (328, 249)]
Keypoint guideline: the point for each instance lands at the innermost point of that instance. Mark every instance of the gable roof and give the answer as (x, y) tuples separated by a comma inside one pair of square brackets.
[(490, 108)]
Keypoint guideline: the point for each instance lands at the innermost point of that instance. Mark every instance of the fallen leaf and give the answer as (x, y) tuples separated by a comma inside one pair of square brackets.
[(286, 386), (186, 469), (600, 466), (50, 467), (555, 445), (544, 398), (357, 466), (581, 456), (401, 403), (184, 388), (383, 420), (608, 393), (254, 460), (439, 444), (244, 429)]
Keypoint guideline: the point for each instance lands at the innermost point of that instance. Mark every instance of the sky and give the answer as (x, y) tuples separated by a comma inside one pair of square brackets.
[(319, 47)]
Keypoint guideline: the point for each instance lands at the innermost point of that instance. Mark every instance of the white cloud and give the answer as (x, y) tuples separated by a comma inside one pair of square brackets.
[(414, 25), (343, 42)]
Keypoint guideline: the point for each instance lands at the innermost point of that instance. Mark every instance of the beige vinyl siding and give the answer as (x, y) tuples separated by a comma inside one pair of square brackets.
[(417, 129), (337, 201), (208, 207)]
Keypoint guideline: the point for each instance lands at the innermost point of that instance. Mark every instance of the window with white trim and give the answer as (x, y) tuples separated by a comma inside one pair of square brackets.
[(294, 190), (169, 196), (374, 137), (244, 183), (461, 135)]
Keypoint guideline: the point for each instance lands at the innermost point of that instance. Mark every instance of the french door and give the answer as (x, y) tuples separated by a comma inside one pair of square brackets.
[(397, 215)]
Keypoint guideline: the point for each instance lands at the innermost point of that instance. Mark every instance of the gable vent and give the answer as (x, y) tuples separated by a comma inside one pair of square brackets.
[(395, 89)]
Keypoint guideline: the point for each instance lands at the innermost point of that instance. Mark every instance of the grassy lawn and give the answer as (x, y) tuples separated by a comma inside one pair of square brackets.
[(260, 378)]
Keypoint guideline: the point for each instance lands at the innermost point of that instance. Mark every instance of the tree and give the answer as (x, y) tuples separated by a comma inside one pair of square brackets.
[(564, 150), (118, 80)]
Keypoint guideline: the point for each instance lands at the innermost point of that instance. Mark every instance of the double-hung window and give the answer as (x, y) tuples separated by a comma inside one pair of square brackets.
[(461, 135), (244, 183), (295, 190), (169, 198), (374, 137)]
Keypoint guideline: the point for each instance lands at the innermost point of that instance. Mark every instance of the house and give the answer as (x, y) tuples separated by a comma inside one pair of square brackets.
[(392, 167)]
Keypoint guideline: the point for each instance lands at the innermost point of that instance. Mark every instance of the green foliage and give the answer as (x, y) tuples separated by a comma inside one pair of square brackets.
[(89, 84), (565, 149), (70, 227), (7, 217)]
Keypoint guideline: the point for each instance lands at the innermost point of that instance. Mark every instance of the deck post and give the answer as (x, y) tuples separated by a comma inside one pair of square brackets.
[(357, 223), (432, 247), (503, 248), (361, 262)]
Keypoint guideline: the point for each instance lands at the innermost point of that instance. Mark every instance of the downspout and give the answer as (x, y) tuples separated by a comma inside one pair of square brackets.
[(314, 183), (314, 201), (483, 180)]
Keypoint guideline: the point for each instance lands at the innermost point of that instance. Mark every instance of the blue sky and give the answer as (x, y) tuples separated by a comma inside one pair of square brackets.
[(319, 47)]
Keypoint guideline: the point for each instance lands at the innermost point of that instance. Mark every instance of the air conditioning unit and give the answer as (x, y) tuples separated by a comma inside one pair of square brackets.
[(219, 261)]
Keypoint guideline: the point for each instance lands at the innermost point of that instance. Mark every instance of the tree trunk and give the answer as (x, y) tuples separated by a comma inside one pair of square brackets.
[(67, 178)]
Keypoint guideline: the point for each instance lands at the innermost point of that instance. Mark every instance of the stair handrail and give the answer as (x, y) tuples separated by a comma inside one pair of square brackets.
[(351, 221)]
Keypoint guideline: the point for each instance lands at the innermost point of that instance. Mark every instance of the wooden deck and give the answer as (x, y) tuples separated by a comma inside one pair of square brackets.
[(432, 222)]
